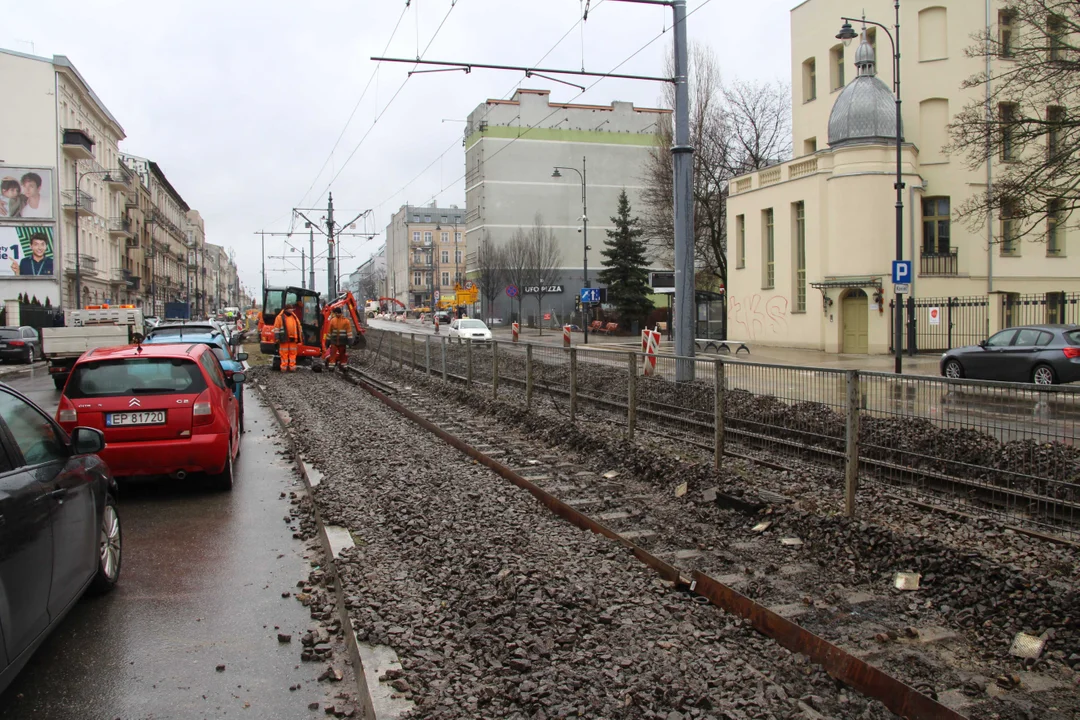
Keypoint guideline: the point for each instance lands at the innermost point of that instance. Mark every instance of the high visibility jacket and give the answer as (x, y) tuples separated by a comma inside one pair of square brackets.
[(339, 330), (291, 326)]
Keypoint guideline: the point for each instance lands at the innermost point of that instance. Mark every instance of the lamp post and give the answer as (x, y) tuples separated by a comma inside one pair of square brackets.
[(78, 267), (847, 34), (585, 236)]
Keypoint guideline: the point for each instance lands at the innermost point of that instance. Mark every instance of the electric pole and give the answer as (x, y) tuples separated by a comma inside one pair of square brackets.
[(311, 254), (331, 276)]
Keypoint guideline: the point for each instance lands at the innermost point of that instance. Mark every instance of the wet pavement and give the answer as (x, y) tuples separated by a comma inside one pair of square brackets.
[(201, 586)]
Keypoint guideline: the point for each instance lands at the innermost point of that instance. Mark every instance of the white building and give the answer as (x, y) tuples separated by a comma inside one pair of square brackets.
[(512, 147)]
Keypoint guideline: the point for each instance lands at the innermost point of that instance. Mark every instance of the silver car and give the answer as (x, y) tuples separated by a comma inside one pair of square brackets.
[(1040, 354)]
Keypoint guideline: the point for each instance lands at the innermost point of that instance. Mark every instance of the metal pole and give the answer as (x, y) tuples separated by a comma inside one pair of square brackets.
[(718, 415), (851, 465), (427, 354), (684, 220), (468, 363), (494, 370), (262, 245), (631, 395), (573, 384), (331, 290), (412, 351), (311, 254), (586, 314), (303, 269), (78, 268), (898, 320), (528, 376)]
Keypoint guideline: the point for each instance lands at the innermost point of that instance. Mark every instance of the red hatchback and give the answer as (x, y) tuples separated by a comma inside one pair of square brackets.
[(164, 409)]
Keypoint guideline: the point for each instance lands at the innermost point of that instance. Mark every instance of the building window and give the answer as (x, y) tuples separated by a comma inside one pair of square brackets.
[(768, 250), (457, 237), (933, 34), (740, 242), (1005, 33), (416, 237), (936, 229), (1055, 228), (800, 256), (1055, 35), (416, 218), (417, 278), (809, 79), (1009, 245), (836, 67), (810, 146), (446, 278), (1007, 115), (427, 238), (445, 237), (445, 256), (933, 127), (1055, 119), (457, 257), (417, 258), (427, 218)]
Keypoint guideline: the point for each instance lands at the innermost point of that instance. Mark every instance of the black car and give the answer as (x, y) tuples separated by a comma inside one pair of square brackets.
[(1040, 354), (19, 343), (59, 527)]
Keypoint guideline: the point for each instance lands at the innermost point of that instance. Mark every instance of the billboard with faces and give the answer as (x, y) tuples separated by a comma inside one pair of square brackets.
[(26, 193), (27, 251)]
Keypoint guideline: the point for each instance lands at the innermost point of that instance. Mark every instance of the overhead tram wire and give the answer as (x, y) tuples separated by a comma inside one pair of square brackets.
[(589, 87)]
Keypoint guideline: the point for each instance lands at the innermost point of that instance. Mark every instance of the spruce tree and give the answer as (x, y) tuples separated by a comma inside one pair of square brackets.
[(625, 275)]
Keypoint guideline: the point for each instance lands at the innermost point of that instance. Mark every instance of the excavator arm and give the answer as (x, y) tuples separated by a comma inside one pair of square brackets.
[(347, 302)]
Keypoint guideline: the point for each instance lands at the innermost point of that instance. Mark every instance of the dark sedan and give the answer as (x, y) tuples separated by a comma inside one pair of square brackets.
[(59, 527), (19, 343), (1040, 354)]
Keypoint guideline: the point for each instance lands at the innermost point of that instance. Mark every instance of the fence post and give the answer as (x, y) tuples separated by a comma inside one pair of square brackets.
[(631, 394), (412, 351), (573, 384), (851, 430), (494, 370), (948, 308), (427, 354), (468, 363), (528, 376), (718, 415), (442, 346)]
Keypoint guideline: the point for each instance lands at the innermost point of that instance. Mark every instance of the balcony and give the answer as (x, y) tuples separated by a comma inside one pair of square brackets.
[(121, 227), (120, 178), (87, 266), (938, 263), (132, 243), (77, 144), (131, 279), (85, 201), (116, 277)]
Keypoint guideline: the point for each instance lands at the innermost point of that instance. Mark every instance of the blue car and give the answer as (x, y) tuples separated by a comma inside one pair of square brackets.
[(231, 361)]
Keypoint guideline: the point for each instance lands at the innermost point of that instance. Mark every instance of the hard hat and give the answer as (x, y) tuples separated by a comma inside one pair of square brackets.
[(338, 309)]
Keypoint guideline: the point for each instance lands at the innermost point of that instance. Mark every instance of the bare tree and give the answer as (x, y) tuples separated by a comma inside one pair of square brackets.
[(544, 259), (491, 267), (371, 283), (734, 128), (1026, 121), (517, 263)]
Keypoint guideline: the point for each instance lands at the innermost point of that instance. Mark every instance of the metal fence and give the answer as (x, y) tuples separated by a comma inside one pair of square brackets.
[(1008, 449), (941, 323), (1052, 307)]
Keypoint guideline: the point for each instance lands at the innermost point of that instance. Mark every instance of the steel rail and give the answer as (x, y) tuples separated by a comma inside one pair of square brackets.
[(873, 682)]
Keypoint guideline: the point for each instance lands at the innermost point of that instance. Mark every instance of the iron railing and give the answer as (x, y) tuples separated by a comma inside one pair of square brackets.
[(1035, 309), (936, 324), (938, 263)]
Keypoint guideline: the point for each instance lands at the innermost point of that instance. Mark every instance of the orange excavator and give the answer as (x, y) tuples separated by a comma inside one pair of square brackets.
[(314, 315)]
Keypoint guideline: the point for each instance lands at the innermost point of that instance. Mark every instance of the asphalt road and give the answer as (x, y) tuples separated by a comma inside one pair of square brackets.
[(200, 586)]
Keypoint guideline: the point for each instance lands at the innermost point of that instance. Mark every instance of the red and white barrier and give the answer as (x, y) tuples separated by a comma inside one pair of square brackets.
[(566, 336), (650, 345), (516, 329)]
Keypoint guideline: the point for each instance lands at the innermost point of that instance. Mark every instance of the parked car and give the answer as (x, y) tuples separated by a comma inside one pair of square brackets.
[(470, 329), (164, 409), (1040, 354), (445, 317), (231, 362), (59, 525), (19, 343)]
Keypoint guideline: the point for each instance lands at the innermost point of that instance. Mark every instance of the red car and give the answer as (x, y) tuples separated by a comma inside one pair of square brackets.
[(164, 409)]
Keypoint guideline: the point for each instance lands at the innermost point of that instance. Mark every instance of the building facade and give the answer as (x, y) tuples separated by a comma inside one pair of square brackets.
[(512, 147), (813, 239), (368, 281), (424, 253)]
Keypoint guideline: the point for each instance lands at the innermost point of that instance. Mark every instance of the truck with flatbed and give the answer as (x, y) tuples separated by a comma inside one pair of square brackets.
[(87, 330)]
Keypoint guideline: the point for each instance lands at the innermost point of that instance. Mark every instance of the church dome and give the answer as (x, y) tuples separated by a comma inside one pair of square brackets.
[(865, 111)]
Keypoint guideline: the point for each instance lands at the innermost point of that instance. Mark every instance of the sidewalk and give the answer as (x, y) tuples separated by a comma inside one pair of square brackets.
[(926, 364)]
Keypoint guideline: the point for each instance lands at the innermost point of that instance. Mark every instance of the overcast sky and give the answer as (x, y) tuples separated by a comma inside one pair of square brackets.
[(241, 102)]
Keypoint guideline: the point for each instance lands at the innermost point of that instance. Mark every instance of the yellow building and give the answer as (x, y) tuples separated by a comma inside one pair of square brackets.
[(813, 238)]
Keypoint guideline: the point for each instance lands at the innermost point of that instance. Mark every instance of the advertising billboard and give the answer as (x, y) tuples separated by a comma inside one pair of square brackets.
[(26, 193), (27, 251)]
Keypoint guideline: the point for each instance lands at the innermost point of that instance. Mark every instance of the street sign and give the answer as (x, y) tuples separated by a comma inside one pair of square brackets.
[(901, 272), (935, 316), (511, 291), (901, 288), (468, 284), (437, 295), (590, 295)]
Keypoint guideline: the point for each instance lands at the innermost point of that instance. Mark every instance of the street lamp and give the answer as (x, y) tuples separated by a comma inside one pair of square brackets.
[(78, 268), (847, 34), (585, 236)]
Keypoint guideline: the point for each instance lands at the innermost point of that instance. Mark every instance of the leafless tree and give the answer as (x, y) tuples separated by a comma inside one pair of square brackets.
[(735, 128), (371, 283), (517, 263), (1028, 123), (491, 267), (544, 259)]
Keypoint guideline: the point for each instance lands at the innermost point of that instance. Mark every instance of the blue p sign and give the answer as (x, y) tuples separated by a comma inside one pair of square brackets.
[(901, 272)]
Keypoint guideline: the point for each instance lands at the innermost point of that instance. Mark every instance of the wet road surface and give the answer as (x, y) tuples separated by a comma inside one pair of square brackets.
[(201, 585)]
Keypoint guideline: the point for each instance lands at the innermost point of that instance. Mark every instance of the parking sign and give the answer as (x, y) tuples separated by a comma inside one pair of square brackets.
[(901, 272)]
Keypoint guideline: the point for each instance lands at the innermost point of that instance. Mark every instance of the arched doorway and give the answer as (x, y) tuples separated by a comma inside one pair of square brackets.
[(854, 316)]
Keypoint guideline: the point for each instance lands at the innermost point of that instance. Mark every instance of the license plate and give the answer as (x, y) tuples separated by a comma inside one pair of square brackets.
[(149, 417)]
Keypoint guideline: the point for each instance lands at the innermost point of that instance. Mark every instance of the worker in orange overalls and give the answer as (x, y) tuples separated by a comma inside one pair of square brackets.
[(339, 334), (287, 332)]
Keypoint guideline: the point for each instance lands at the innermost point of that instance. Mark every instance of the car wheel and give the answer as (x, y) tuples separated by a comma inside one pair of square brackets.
[(224, 480), (1043, 375), (109, 549), (953, 369), (30, 355), (58, 382)]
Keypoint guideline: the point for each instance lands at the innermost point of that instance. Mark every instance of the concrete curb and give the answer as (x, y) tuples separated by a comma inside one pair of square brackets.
[(365, 704)]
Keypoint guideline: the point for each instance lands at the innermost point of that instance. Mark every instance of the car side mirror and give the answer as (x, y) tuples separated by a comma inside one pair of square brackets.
[(239, 377), (982, 343), (241, 357), (87, 441)]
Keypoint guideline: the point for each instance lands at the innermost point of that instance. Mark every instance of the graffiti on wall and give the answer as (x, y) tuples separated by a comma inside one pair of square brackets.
[(754, 317)]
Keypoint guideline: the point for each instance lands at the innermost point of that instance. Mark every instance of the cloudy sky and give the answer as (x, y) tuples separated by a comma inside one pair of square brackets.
[(246, 104)]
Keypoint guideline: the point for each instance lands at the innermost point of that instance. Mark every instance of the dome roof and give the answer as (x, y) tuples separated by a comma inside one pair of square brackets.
[(865, 111)]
